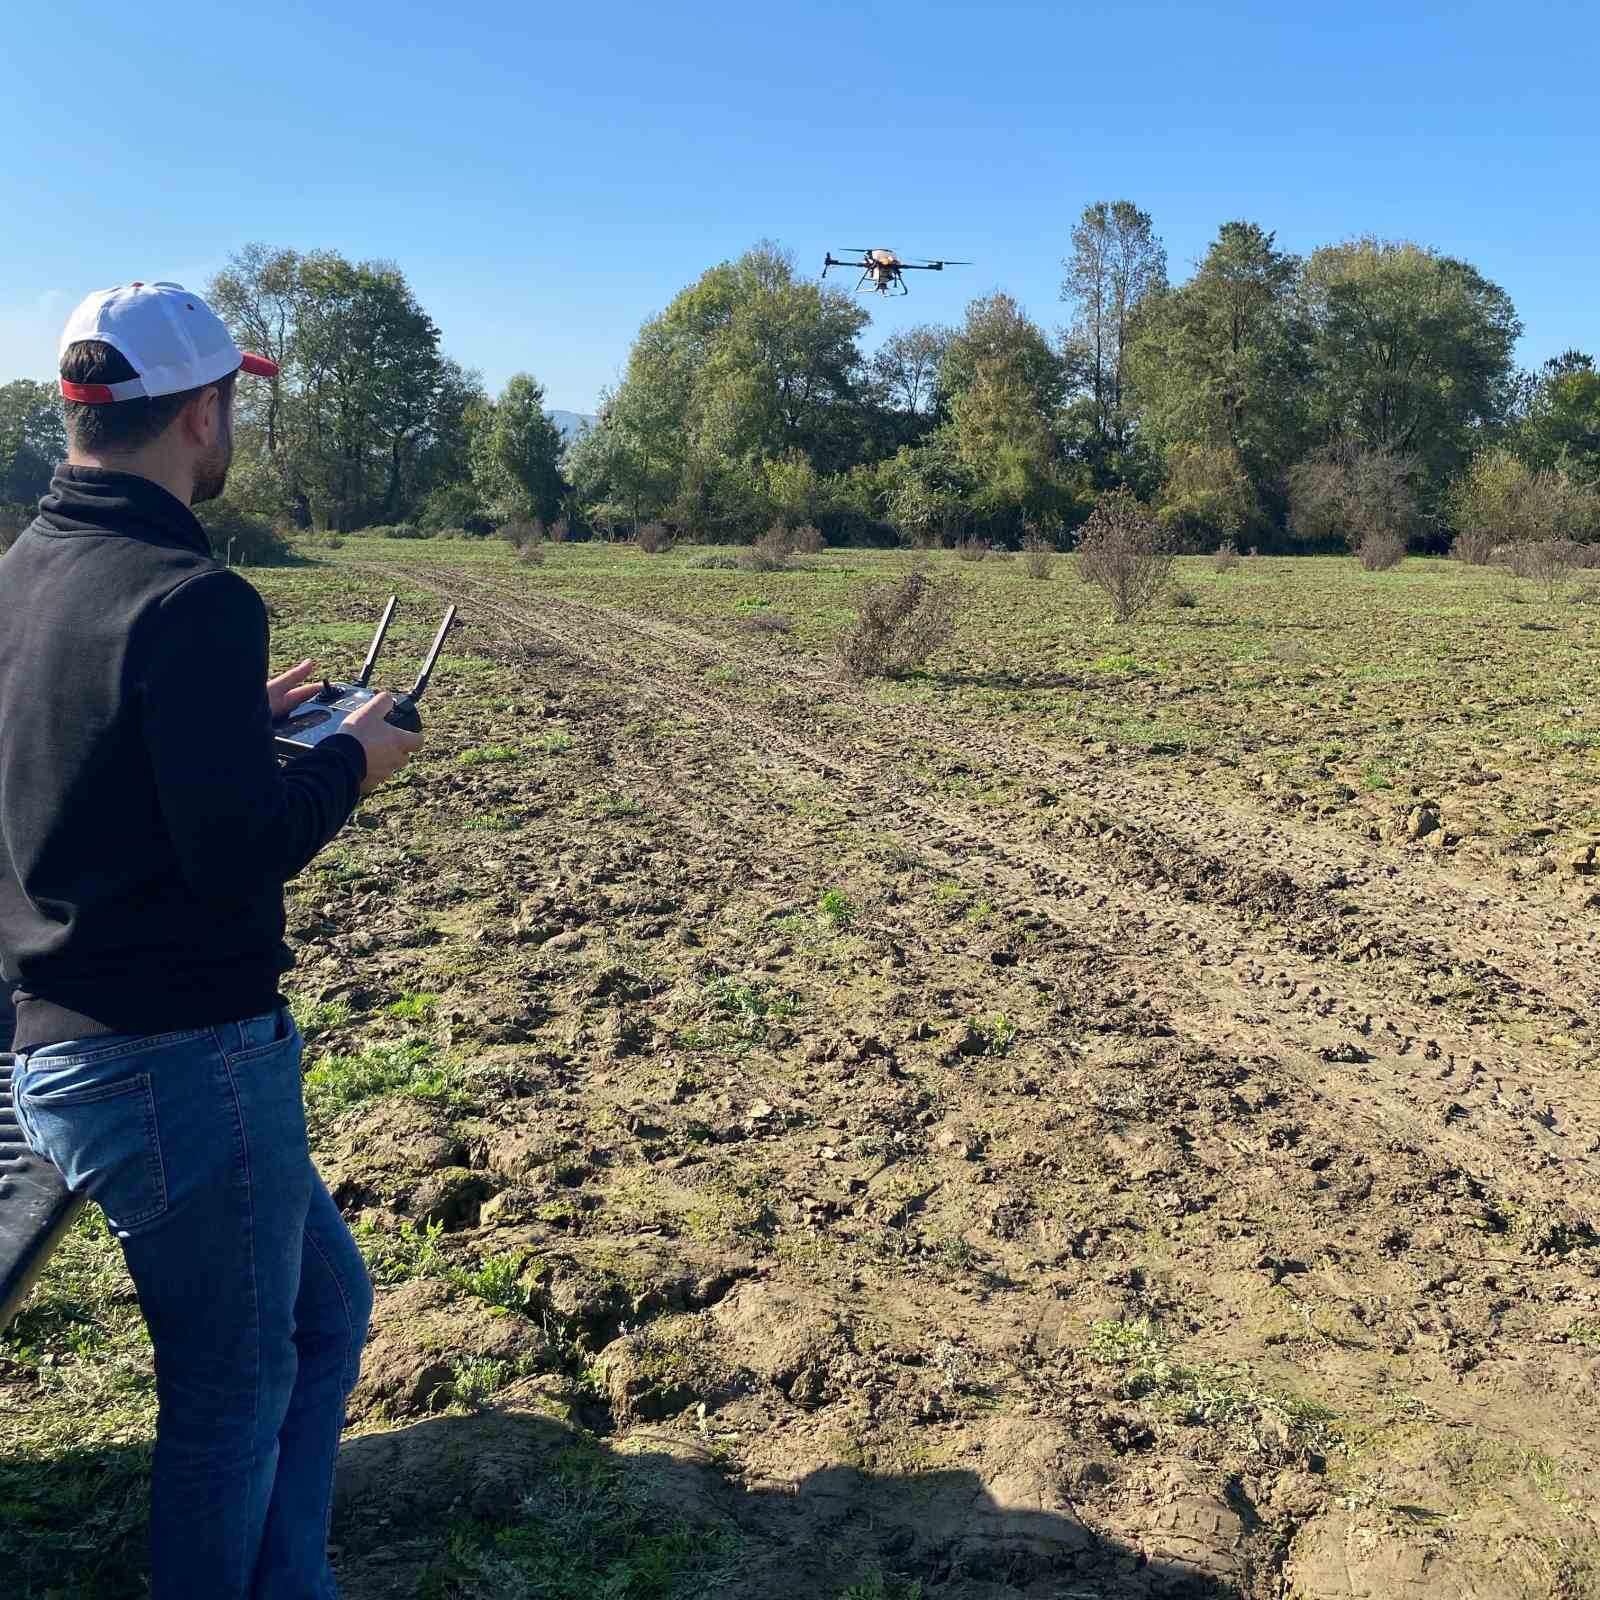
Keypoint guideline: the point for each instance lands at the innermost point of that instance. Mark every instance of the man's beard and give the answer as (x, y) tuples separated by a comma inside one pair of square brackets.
[(211, 471)]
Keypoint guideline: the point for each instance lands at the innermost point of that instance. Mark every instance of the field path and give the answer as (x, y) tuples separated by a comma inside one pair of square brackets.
[(1327, 1105)]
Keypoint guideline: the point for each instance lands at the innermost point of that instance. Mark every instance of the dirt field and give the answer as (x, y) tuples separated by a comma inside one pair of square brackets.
[(1113, 1115)]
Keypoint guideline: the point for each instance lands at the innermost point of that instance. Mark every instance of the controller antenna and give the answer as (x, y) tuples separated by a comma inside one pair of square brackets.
[(415, 692), (377, 644)]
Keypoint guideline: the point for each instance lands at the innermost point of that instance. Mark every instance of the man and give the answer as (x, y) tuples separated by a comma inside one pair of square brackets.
[(146, 833)]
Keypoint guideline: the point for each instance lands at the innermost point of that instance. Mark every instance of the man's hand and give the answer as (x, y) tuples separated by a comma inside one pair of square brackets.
[(388, 747), (290, 689)]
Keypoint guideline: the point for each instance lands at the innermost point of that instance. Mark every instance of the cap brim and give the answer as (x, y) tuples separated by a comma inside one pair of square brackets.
[(259, 366)]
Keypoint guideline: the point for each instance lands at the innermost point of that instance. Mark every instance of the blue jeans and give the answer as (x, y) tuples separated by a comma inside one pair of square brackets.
[(257, 1300)]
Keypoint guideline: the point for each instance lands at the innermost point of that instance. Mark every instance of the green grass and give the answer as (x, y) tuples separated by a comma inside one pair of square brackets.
[(1199, 1394), (413, 1008), (736, 1012), (586, 1534), (836, 909), (401, 1253), (75, 1453), (487, 754), (414, 1067)]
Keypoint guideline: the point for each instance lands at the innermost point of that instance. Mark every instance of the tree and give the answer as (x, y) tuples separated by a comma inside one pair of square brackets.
[(746, 366), (32, 440), (1221, 360), (1205, 493), (516, 454), (1348, 490), (366, 414), (1561, 427), (1501, 500), (906, 367), (1411, 349), (1116, 261), (999, 337)]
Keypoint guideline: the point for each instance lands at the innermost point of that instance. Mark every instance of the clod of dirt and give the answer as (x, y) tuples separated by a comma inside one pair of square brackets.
[(1422, 820), (793, 1341), (664, 1369), (421, 1332), (452, 1197), (1348, 1557)]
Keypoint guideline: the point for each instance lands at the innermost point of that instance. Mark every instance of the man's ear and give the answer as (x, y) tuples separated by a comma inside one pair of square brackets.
[(201, 419)]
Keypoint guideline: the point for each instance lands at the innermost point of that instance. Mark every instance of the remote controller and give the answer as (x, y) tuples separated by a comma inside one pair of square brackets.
[(323, 716)]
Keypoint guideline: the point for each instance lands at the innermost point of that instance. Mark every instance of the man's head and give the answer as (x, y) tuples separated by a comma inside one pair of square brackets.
[(147, 380)]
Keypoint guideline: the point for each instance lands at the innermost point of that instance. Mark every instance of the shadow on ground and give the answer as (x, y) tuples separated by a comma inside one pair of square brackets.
[(827, 1533)]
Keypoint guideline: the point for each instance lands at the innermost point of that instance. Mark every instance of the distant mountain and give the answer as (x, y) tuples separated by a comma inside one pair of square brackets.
[(571, 423)]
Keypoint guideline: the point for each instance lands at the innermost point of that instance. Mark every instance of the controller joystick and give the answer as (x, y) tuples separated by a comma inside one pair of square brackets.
[(324, 714)]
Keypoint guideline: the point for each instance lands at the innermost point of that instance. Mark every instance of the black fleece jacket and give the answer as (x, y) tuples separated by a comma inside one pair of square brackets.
[(146, 831)]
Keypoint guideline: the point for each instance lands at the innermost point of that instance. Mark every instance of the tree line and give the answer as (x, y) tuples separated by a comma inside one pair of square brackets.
[(1280, 400)]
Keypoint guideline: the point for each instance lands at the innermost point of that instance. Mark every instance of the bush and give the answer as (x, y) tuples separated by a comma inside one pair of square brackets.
[(900, 626), (1225, 558), (242, 540), (807, 540), (1185, 599), (1501, 500), (522, 533), (654, 538), (1546, 562), (1378, 552), (770, 553), (1038, 557), (715, 562), (1475, 547), (559, 531), (765, 622), (1125, 554), (455, 506), (1346, 491), (972, 549)]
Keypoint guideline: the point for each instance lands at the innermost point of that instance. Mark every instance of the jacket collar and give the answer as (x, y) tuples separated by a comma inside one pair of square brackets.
[(95, 500)]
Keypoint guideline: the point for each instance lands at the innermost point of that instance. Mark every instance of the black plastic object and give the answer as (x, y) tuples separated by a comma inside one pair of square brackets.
[(318, 719), (36, 1208)]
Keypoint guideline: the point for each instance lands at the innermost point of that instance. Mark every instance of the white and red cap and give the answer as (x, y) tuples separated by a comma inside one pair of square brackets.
[(171, 338)]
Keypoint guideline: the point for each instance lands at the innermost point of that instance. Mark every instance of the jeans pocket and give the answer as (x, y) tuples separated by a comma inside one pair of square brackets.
[(283, 1038), (102, 1134)]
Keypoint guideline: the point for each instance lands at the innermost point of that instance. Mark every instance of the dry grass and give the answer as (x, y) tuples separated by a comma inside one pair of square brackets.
[(1126, 554), (1038, 557), (1225, 558), (1378, 552), (900, 626)]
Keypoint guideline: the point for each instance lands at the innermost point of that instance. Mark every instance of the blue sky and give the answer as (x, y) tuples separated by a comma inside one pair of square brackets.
[(548, 176)]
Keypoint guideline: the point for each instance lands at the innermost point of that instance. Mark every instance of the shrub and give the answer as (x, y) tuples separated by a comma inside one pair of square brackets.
[(807, 540), (1347, 491), (522, 533), (654, 538), (243, 540), (770, 553), (715, 561), (1473, 546), (559, 531), (971, 549), (1500, 499), (900, 626), (1038, 557), (1378, 552), (1125, 554), (455, 506), (1546, 562), (765, 622), (1226, 557), (1185, 599)]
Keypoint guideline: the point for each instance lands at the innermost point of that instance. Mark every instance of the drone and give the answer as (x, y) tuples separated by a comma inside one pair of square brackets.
[(883, 267)]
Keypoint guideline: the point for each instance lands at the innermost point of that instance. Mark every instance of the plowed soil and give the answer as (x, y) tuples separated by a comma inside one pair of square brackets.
[(924, 1151)]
